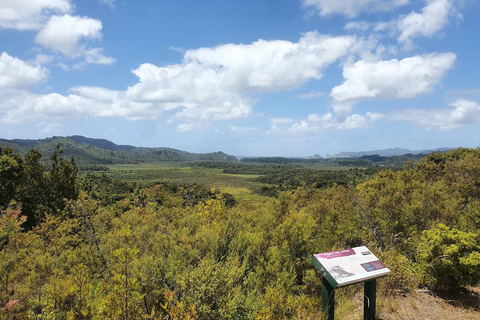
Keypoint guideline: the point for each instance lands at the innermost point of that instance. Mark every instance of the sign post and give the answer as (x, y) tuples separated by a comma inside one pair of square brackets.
[(328, 300), (345, 267), (370, 299)]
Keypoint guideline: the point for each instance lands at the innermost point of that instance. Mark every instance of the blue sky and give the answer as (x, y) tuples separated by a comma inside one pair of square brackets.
[(250, 78)]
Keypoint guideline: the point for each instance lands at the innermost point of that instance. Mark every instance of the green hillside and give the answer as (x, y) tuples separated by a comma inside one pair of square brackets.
[(101, 151)]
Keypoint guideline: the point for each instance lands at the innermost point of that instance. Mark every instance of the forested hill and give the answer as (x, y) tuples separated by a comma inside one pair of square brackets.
[(101, 151)]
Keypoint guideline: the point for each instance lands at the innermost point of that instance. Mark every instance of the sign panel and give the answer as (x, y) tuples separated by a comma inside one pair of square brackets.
[(349, 266)]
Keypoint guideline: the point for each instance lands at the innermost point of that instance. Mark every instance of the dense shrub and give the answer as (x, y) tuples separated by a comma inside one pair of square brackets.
[(452, 257)]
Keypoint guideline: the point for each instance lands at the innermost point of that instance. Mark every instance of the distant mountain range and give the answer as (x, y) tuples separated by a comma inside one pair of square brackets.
[(385, 153), (101, 151)]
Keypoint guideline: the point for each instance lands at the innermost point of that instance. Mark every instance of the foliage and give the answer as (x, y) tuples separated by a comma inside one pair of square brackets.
[(10, 172), (99, 151), (452, 257), (114, 249), (40, 192)]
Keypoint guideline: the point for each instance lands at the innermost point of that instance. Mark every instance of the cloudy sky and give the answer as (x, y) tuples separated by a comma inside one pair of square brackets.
[(250, 77)]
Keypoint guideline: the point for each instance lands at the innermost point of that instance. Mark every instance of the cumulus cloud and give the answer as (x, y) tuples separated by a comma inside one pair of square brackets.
[(352, 8), (30, 14), (97, 93), (464, 112), (460, 113), (65, 34), (394, 78), (210, 84), (41, 107), (219, 80), (430, 21), (319, 123), (95, 56), (16, 74), (271, 65)]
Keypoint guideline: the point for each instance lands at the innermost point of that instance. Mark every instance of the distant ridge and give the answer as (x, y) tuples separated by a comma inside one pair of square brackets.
[(386, 152), (101, 143), (101, 151)]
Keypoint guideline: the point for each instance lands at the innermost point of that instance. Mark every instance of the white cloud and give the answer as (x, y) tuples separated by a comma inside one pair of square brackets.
[(352, 8), (358, 26), (66, 34), (276, 122), (16, 74), (316, 123), (240, 129), (271, 65), (464, 112), (405, 78), (460, 113), (383, 27), (434, 16), (356, 121), (97, 93), (430, 21), (218, 80), (30, 14), (177, 49), (58, 30), (342, 110), (312, 94), (210, 84), (95, 56), (114, 103), (41, 59), (21, 108), (63, 33)]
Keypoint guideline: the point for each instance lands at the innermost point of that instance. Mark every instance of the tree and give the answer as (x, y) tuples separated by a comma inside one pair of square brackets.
[(61, 181), (10, 174), (31, 192)]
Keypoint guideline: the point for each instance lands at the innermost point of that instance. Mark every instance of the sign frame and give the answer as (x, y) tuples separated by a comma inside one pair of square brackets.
[(346, 267)]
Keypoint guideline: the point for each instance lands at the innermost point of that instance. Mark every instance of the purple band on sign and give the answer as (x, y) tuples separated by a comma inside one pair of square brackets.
[(335, 254), (372, 266)]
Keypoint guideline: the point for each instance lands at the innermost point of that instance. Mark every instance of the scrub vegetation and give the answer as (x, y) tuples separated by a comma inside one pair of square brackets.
[(216, 240)]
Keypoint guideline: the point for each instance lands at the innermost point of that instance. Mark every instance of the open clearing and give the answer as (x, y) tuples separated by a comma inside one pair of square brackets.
[(239, 185)]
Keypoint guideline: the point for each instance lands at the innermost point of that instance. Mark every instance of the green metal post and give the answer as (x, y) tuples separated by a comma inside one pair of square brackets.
[(370, 300), (328, 300)]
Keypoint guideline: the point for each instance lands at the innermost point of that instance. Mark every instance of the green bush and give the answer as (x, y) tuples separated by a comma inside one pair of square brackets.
[(452, 258)]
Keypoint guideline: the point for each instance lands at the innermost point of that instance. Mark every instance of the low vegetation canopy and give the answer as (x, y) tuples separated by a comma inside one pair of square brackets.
[(86, 245)]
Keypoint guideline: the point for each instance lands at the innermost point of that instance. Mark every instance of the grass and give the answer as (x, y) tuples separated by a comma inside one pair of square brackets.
[(424, 306), (414, 305), (241, 186), (242, 182)]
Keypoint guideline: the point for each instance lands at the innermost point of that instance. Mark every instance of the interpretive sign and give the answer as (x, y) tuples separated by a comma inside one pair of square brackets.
[(344, 267)]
